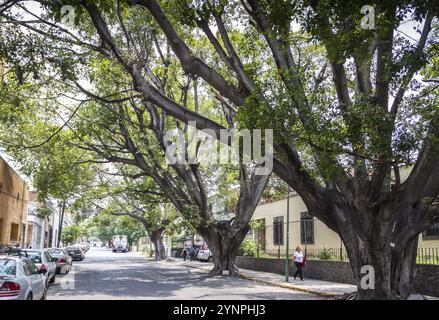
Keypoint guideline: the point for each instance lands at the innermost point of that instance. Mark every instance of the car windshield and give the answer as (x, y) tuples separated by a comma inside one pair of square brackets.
[(35, 256), (7, 267), (56, 252)]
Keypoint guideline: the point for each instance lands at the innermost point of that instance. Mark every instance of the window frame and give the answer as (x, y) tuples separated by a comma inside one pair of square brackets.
[(431, 233), (306, 219), (278, 226)]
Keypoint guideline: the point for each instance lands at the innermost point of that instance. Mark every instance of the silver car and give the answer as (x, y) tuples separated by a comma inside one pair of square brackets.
[(42, 259), (20, 279), (63, 259), (205, 255)]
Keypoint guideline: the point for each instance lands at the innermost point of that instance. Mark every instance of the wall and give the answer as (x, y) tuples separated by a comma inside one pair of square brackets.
[(426, 276), (322, 234), (14, 196)]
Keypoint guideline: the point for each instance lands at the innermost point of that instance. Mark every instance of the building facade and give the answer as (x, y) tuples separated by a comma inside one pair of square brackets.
[(305, 230), (14, 198)]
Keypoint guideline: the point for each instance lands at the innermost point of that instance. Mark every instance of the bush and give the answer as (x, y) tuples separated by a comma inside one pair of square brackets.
[(324, 254), (249, 248)]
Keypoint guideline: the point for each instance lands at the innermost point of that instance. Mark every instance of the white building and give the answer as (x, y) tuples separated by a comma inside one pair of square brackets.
[(40, 226), (45, 231)]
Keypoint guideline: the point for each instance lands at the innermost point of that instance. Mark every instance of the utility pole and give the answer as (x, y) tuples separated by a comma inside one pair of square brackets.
[(287, 247)]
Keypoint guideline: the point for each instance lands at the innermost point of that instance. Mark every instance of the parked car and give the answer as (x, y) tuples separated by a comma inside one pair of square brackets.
[(63, 260), (20, 279), (42, 260), (205, 255), (76, 253)]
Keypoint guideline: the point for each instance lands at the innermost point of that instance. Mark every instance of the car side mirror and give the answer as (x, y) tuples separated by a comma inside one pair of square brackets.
[(42, 271)]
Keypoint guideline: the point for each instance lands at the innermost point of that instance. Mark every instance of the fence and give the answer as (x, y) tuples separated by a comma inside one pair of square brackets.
[(269, 241), (428, 256)]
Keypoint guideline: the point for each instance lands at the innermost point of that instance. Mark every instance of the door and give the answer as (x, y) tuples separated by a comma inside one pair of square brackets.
[(51, 266), (37, 280)]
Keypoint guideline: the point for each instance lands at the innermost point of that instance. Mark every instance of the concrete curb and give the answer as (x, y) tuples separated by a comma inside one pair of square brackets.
[(292, 287), (281, 285)]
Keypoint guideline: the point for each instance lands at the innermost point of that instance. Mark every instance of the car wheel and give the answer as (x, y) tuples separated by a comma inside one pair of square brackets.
[(210, 259), (52, 280), (44, 297), (29, 296)]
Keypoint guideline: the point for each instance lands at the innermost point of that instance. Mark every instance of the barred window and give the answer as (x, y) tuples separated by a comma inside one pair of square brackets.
[(278, 231), (433, 231), (306, 228)]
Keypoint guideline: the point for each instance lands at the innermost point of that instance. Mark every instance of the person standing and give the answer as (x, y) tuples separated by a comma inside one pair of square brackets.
[(298, 261), (184, 254)]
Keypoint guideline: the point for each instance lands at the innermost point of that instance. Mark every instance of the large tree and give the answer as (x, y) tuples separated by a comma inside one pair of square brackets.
[(349, 105), (118, 125)]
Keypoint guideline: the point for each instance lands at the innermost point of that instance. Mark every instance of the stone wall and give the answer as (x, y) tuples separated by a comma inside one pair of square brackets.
[(426, 277)]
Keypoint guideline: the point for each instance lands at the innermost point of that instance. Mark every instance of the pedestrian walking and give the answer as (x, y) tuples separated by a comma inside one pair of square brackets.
[(298, 261), (191, 253), (184, 254)]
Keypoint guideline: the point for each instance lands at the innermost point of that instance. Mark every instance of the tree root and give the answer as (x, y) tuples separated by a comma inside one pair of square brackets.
[(220, 272), (354, 296), (215, 273), (348, 296)]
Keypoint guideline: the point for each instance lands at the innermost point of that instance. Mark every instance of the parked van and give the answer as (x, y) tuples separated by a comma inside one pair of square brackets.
[(120, 243)]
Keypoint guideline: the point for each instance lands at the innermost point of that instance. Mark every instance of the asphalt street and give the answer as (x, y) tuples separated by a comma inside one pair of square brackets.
[(106, 275)]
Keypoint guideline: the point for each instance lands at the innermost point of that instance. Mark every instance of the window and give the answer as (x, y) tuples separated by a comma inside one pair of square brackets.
[(14, 232), (278, 231), (29, 267), (432, 233), (8, 267), (48, 257), (35, 256), (306, 228)]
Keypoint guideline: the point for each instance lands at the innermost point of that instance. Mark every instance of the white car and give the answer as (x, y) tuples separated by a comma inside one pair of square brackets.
[(20, 279), (205, 255), (42, 259)]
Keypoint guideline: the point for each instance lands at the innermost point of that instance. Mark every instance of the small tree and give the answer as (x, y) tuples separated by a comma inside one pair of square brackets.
[(71, 233)]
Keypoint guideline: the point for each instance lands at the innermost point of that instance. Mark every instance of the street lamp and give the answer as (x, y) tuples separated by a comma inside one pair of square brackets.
[(287, 246)]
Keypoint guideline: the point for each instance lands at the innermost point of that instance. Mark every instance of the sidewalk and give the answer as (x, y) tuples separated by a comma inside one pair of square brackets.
[(317, 287)]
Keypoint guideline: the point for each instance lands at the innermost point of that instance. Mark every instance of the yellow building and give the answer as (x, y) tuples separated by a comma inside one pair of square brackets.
[(305, 230), (14, 196)]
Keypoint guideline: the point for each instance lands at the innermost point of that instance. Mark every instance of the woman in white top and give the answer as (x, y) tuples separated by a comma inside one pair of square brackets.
[(298, 261)]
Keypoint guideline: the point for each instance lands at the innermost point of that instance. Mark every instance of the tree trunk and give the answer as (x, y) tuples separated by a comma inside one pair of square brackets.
[(224, 240), (156, 238), (371, 265), (61, 221), (404, 268), (383, 267)]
